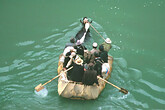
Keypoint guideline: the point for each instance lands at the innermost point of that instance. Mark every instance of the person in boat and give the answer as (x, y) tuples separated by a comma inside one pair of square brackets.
[(107, 44), (94, 48), (71, 43), (66, 53), (69, 56), (77, 71), (90, 75), (84, 30), (98, 64), (90, 54), (80, 49), (103, 54)]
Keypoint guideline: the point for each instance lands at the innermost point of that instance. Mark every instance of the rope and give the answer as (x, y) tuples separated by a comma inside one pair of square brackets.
[(97, 32)]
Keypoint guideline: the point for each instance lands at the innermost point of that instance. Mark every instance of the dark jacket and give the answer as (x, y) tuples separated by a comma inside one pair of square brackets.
[(77, 73), (98, 65), (66, 60), (104, 56), (90, 77), (80, 50)]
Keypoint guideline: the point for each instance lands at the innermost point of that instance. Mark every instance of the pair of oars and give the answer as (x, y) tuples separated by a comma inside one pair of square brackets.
[(41, 86)]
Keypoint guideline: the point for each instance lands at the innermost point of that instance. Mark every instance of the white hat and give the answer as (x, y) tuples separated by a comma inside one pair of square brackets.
[(108, 40), (79, 61), (78, 42), (94, 44)]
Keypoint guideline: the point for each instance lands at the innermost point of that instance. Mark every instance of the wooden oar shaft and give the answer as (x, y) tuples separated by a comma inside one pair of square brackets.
[(97, 32), (56, 76), (51, 80), (109, 83)]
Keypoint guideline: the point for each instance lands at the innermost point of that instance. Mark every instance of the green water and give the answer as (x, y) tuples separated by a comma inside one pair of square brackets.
[(33, 34)]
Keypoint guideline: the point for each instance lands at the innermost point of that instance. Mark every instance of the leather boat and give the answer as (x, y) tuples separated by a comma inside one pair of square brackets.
[(77, 90)]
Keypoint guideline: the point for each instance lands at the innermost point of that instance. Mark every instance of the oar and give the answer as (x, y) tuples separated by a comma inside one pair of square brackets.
[(120, 89), (97, 32), (40, 86)]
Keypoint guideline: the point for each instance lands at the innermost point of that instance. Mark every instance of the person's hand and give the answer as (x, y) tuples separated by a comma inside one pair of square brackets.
[(64, 69)]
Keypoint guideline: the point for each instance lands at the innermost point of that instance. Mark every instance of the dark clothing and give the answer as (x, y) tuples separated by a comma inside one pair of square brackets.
[(80, 34), (104, 56), (80, 50), (88, 57), (98, 65), (66, 60), (77, 73), (90, 77)]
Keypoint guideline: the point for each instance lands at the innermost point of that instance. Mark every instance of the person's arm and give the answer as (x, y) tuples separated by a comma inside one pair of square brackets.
[(82, 39), (69, 63), (81, 21)]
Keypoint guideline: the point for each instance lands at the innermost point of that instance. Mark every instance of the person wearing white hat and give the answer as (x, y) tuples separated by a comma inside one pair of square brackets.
[(94, 48), (77, 72), (107, 44)]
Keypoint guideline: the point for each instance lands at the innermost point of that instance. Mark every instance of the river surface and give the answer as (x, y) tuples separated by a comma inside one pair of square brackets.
[(33, 34)]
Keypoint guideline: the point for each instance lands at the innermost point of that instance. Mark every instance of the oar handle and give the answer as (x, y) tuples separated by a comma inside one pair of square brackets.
[(97, 32), (56, 76), (109, 83)]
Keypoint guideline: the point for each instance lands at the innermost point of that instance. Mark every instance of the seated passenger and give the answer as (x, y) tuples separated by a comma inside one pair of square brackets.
[(93, 51), (77, 71), (94, 48), (103, 54), (107, 44), (90, 76), (98, 64), (66, 53), (80, 49)]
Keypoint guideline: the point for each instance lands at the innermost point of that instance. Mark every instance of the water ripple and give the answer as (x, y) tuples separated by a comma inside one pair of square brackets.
[(152, 86), (143, 92), (25, 43)]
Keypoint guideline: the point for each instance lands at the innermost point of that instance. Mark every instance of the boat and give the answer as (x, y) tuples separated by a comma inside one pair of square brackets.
[(77, 90)]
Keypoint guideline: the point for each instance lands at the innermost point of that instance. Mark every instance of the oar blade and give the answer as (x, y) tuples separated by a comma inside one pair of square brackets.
[(123, 90), (39, 87)]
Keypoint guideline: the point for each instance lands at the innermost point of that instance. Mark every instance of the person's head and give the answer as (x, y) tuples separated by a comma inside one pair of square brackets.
[(85, 20), (79, 61), (90, 66), (108, 41), (78, 42), (72, 40), (96, 54), (94, 45), (101, 48)]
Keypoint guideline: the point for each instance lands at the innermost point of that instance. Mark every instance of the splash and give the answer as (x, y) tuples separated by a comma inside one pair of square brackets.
[(42, 93)]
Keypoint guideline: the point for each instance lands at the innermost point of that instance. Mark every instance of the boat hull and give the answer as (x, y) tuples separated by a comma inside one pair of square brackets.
[(76, 90)]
